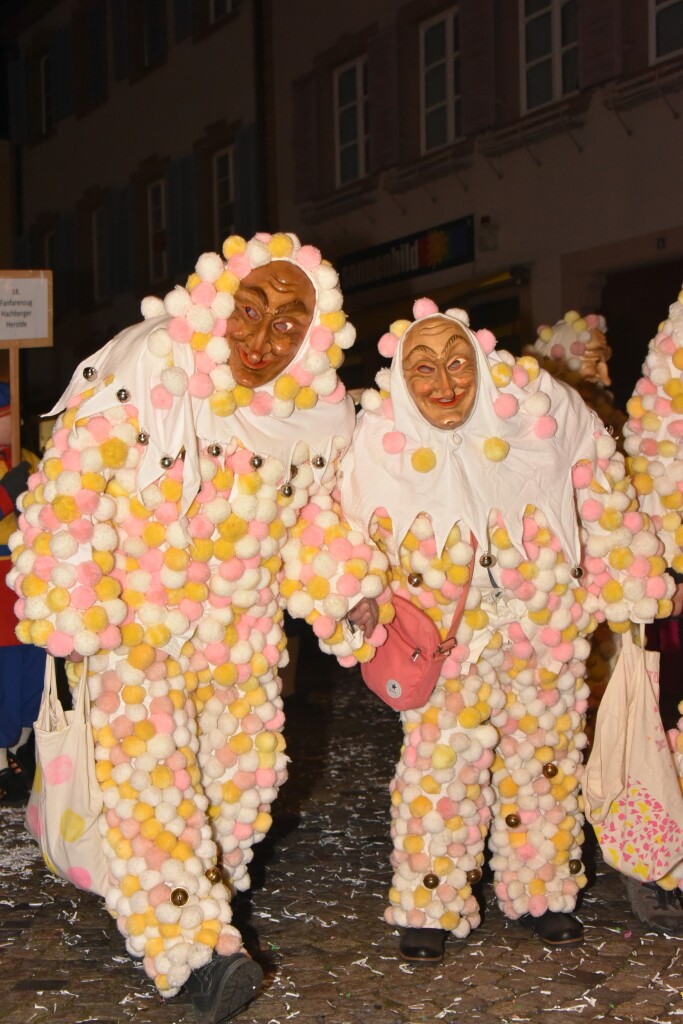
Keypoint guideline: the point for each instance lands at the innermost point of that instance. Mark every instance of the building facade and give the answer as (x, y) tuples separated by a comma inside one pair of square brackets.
[(515, 157)]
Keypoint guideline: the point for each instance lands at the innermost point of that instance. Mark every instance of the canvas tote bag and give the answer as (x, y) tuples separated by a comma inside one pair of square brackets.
[(631, 791), (66, 799)]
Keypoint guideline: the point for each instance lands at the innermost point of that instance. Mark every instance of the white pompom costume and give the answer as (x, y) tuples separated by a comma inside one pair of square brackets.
[(173, 517), (654, 447), (497, 748)]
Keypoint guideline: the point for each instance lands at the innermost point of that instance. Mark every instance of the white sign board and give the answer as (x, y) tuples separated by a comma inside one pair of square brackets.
[(24, 309)]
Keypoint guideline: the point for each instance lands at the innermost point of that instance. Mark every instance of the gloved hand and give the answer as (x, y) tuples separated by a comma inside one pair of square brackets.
[(16, 480)]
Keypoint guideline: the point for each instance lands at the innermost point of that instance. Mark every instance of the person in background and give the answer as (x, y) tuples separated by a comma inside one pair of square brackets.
[(464, 447), (185, 499), (22, 666), (654, 446)]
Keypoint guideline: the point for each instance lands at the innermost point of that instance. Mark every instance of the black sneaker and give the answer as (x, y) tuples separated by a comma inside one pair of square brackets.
[(12, 789), (660, 910), (222, 988)]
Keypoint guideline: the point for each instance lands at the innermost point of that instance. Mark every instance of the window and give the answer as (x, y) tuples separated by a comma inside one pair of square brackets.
[(47, 110), (440, 81), (223, 190), (219, 9), (156, 231), (666, 28), (351, 121), (550, 52), (153, 31), (99, 253), (49, 250)]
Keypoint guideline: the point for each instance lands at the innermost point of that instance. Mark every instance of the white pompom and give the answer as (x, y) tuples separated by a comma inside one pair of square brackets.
[(201, 319), (459, 314), (370, 399), (174, 380), (210, 266), (223, 305), (178, 301), (160, 343), (257, 253), (152, 306)]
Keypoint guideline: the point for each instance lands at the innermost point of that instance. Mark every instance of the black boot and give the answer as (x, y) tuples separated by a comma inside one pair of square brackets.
[(555, 929), (423, 944), (222, 988)]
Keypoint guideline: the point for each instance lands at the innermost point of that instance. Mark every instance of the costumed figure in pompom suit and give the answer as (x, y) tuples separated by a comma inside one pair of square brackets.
[(654, 449), (22, 667), (575, 350), (186, 498), (464, 444)]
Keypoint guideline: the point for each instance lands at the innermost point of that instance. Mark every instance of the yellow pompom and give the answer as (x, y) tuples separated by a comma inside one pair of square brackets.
[(39, 632), (495, 449), (65, 508), (643, 483), (677, 358), (227, 282), (333, 321), (242, 395), (154, 535), (530, 364), (545, 333), (286, 387), (501, 374), (399, 327), (571, 316), (222, 403), (423, 460), (113, 453), (193, 280), (95, 619), (306, 398), (335, 354), (232, 245), (651, 422), (280, 245)]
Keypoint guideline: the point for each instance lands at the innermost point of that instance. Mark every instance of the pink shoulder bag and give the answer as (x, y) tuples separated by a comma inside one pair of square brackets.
[(404, 670)]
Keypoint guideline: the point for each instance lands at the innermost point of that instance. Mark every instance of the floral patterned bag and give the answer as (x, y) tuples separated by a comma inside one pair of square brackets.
[(631, 790)]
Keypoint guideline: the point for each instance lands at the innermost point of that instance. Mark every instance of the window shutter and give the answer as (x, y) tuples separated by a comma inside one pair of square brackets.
[(600, 41), (383, 108), (62, 65), (18, 119), (97, 54), (65, 269), (120, 38), (181, 205), (247, 178), (477, 65), (119, 221), (306, 138), (182, 11)]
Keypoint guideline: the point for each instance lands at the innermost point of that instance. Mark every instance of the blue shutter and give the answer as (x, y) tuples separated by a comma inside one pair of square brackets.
[(18, 118), (247, 198), (181, 215), (120, 30)]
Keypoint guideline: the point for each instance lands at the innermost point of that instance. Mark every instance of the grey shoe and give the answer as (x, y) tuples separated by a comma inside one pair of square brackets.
[(660, 910), (222, 988)]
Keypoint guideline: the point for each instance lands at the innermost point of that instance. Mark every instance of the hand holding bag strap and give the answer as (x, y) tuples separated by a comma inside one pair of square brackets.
[(448, 641)]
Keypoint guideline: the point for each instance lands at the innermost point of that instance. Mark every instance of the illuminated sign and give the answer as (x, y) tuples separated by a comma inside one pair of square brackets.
[(447, 245)]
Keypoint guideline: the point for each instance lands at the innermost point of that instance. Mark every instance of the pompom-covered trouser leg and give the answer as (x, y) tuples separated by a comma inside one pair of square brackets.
[(441, 796), (536, 831), (157, 835)]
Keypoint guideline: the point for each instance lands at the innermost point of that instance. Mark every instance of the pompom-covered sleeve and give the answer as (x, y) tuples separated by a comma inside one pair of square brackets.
[(63, 549), (624, 577), (328, 568)]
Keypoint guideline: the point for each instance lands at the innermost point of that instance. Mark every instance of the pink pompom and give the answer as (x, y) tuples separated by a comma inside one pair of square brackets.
[(387, 345), (160, 397), (308, 257), (505, 406), (591, 510), (300, 375), (59, 644), (240, 265), (59, 769), (180, 329), (321, 339), (203, 294), (545, 427), (577, 348), (336, 395), (324, 626), (424, 307), (520, 376), (486, 339), (394, 442), (261, 403), (200, 385), (220, 327), (582, 476)]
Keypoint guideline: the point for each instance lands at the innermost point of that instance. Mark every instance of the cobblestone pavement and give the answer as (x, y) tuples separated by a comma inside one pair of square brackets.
[(314, 919)]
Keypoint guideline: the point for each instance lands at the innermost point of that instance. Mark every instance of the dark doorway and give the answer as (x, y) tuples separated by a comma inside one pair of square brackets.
[(634, 303)]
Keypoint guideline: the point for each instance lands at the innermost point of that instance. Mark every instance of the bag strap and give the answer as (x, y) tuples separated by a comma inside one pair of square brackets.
[(448, 642), (81, 699)]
